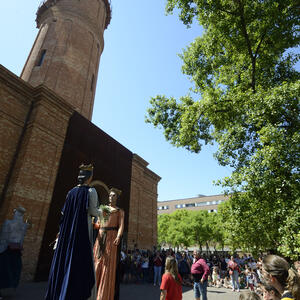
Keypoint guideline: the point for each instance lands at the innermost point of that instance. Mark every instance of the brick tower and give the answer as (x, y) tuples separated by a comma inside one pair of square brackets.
[(66, 53)]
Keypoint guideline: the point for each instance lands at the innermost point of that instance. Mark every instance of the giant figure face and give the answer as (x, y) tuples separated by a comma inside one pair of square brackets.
[(113, 198)]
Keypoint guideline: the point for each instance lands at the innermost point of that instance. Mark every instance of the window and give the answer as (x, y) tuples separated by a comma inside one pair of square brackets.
[(92, 82), (180, 206), (190, 205), (220, 201), (163, 207), (208, 203), (201, 204), (214, 202), (42, 56)]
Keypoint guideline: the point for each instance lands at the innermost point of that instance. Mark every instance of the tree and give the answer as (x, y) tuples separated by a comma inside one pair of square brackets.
[(217, 231), (242, 68), (162, 229), (199, 228), (190, 228), (179, 229), (174, 229)]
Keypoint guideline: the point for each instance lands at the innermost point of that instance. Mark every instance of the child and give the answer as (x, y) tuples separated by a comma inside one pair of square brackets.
[(215, 276), (246, 273), (227, 282), (251, 279), (209, 281), (219, 282)]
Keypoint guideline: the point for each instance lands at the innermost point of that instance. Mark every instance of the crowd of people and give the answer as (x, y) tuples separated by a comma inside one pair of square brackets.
[(200, 270)]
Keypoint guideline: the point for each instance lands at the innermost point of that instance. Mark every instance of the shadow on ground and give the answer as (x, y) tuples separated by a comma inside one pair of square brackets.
[(36, 291)]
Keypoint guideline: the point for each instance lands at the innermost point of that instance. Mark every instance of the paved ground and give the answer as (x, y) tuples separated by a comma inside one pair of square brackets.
[(150, 292), (36, 291)]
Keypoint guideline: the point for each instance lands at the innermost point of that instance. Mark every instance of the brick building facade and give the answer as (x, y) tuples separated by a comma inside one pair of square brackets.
[(45, 133)]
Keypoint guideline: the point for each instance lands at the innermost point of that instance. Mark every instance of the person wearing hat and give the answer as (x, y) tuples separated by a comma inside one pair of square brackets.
[(11, 245), (72, 274)]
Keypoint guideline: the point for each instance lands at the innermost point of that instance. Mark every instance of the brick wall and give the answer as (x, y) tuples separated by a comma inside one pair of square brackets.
[(142, 227), (33, 177), (15, 99)]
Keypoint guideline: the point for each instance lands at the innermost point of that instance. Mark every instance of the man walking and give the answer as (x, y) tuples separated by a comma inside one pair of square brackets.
[(200, 272)]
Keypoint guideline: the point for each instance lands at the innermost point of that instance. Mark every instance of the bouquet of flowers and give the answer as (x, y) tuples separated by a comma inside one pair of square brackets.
[(106, 212)]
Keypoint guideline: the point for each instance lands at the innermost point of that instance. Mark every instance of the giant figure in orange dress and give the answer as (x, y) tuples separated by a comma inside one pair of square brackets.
[(105, 249)]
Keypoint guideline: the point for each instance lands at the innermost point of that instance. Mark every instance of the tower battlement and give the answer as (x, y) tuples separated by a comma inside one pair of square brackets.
[(45, 4)]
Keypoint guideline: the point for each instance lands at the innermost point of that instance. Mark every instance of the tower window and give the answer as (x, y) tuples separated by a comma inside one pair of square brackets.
[(42, 56), (92, 82)]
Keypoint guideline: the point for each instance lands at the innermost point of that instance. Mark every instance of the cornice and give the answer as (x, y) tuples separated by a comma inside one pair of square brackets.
[(153, 175), (42, 93), (45, 4), (143, 164), (108, 13), (16, 83), (139, 160)]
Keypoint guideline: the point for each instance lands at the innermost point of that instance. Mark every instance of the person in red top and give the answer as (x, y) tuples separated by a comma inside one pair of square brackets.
[(171, 288), (234, 271), (200, 272)]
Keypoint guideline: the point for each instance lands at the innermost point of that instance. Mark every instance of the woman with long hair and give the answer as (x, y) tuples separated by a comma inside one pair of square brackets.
[(170, 287), (278, 273)]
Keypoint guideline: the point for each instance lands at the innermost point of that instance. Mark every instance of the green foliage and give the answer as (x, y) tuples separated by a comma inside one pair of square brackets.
[(242, 68), (200, 227), (290, 233), (162, 229), (189, 228)]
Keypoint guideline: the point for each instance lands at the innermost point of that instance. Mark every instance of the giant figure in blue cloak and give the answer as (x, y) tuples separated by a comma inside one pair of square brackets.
[(72, 275)]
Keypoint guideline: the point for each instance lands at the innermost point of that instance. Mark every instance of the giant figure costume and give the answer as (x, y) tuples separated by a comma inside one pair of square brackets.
[(11, 245), (106, 249), (72, 271)]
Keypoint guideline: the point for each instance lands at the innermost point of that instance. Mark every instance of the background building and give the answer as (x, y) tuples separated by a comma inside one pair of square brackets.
[(209, 203)]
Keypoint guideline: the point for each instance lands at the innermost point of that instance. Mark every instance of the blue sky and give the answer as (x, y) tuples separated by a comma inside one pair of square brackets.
[(140, 60)]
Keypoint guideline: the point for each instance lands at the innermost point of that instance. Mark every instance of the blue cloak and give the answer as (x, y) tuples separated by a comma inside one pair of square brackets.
[(72, 271)]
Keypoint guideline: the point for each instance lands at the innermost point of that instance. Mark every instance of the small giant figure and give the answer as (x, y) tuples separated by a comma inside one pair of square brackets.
[(11, 245)]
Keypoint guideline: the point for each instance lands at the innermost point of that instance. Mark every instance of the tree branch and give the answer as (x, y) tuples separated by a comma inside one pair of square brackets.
[(246, 36), (259, 44)]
